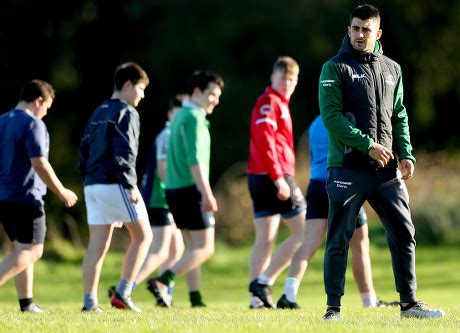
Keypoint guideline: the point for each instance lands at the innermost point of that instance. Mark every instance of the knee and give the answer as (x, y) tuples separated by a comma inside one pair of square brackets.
[(263, 245), (208, 251), (162, 255), (176, 252), (36, 253), (144, 237)]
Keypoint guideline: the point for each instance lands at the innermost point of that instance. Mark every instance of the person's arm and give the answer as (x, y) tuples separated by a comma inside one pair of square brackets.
[(208, 202), (400, 125), (161, 168), (84, 153), (263, 138), (161, 153), (331, 108), (125, 146), (45, 171)]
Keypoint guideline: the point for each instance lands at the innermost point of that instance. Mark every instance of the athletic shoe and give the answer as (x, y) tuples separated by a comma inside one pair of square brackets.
[(199, 305), (255, 302), (331, 314), (284, 303), (125, 303), (32, 308), (160, 291), (420, 310), (262, 291), (112, 290), (383, 304), (97, 309)]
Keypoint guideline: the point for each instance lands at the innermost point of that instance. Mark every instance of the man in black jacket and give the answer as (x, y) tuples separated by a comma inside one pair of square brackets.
[(361, 103), (108, 152)]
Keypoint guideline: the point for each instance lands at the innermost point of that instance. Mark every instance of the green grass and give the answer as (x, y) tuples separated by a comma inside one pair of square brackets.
[(58, 290)]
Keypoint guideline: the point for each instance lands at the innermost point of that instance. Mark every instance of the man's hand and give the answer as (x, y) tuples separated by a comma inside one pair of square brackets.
[(68, 197), (284, 192), (381, 154), (208, 202), (407, 169), (135, 195)]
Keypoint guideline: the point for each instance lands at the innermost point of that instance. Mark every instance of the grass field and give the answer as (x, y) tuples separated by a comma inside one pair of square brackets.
[(58, 290)]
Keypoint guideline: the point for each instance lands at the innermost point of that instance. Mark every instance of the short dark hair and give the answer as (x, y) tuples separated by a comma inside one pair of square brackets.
[(201, 80), (176, 101), (129, 71), (287, 65), (365, 12), (36, 88)]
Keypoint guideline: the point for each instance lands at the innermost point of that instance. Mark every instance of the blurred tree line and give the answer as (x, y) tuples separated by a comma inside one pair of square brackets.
[(76, 45)]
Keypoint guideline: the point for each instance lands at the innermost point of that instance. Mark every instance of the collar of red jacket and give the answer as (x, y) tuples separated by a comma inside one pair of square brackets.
[(270, 90)]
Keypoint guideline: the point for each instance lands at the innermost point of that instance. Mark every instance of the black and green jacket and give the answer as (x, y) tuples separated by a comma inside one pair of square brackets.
[(361, 102)]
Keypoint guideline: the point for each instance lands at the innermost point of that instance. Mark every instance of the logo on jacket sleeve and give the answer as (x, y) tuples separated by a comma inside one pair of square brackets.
[(327, 83), (265, 109)]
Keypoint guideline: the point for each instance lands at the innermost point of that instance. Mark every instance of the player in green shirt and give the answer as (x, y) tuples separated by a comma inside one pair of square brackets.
[(188, 192)]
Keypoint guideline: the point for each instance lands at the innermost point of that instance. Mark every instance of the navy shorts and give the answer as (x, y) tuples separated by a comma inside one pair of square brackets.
[(159, 217), (23, 222), (265, 200), (185, 206), (318, 203)]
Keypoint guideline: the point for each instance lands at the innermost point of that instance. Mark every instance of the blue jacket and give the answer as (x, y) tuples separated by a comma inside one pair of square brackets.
[(108, 149)]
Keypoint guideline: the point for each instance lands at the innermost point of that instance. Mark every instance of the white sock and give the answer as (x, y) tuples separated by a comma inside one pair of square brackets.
[(291, 287), (369, 299), (263, 279)]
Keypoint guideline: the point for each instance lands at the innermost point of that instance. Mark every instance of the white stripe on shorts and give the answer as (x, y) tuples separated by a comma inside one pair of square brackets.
[(111, 203)]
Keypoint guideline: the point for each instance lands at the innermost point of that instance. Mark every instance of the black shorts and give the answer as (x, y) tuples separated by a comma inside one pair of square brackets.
[(185, 206), (265, 200), (23, 222), (159, 217), (318, 203)]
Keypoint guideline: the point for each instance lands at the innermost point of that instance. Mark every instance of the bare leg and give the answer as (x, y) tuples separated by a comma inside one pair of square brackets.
[(314, 233), (15, 263), (141, 238), (176, 250), (24, 283), (266, 230), (288, 247), (158, 253), (99, 242), (200, 250), (193, 276)]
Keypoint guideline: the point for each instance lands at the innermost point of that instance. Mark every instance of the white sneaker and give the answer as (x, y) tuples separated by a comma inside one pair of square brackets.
[(421, 310), (331, 315), (32, 308)]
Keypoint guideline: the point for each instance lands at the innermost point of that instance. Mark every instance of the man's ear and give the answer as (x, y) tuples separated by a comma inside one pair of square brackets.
[(127, 85), (197, 91), (38, 101)]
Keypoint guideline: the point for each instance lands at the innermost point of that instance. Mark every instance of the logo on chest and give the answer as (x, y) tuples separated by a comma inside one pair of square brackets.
[(390, 80), (358, 76)]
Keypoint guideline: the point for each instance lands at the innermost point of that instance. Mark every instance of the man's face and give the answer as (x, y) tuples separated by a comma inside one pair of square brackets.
[(284, 83), (208, 98), (133, 93), (41, 107), (364, 33)]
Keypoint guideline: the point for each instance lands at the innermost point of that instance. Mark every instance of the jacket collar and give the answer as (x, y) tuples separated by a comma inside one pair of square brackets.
[(367, 57), (270, 90)]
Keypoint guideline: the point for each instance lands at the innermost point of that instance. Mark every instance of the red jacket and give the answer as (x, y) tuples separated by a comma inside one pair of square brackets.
[(271, 147)]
